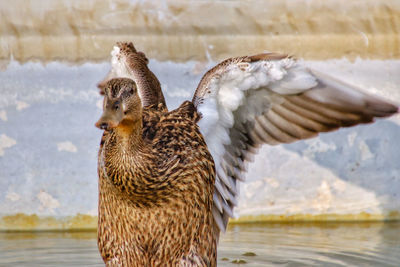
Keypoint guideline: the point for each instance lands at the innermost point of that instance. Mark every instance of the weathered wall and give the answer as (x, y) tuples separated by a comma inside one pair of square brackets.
[(181, 30), (49, 101)]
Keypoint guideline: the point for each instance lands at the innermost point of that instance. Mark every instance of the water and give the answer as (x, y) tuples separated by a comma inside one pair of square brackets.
[(329, 244)]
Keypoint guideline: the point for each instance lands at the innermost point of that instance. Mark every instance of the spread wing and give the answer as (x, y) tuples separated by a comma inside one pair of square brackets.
[(270, 99), (129, 63)]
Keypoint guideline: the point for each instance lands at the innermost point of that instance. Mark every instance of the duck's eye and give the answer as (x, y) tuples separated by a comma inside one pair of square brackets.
[(116, 105)]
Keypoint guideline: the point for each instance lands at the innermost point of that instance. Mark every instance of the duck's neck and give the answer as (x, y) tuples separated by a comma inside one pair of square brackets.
[(129, 135), (125, 160)]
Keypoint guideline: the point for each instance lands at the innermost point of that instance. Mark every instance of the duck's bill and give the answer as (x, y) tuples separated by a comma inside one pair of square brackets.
[(108, 121)]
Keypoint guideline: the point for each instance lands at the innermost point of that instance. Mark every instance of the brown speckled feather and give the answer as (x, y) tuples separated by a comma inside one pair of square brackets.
[(156, 194), (162, 200)]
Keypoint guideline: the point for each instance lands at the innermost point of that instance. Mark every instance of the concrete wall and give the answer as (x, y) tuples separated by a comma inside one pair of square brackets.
[(54, 52), (76, 30)]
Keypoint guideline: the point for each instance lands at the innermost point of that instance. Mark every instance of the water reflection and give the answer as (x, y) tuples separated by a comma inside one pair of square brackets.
[(329, 244)]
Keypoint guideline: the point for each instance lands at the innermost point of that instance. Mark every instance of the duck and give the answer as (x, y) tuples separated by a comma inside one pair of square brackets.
[(168, 180)]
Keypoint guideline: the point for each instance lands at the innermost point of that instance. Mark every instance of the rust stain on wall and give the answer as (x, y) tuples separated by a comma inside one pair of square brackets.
[(360, 217), (32, 222), (24, 222)]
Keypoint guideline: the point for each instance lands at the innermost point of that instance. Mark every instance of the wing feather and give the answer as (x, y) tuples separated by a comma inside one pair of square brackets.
[(292, 128), (274, 131), (299, 116), (270, 99)]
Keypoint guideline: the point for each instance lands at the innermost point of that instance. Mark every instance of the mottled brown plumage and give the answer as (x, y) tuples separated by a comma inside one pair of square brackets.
[(156, 181), (162, 200)]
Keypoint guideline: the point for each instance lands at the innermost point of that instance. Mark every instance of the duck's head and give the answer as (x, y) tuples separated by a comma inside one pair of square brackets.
[(122, 106)]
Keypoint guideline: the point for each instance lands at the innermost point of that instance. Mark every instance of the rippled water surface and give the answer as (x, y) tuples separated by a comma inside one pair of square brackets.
[(330, 244)]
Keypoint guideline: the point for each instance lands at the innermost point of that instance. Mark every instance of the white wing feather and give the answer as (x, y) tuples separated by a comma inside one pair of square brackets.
[(269, 98), (249, 101)]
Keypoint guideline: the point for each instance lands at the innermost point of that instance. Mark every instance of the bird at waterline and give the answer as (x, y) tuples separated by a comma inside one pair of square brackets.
[(168, 179)]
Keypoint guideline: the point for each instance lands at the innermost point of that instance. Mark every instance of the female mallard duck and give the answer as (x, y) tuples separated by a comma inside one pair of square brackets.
[(165, 192), (156, 184)]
